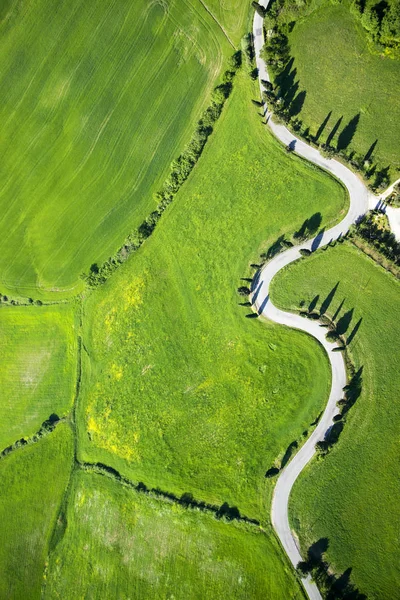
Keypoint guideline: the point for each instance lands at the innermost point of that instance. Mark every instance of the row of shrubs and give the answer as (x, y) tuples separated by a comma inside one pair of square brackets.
[(180, 171), (379, 237), (47, 427), (380, 19), (4, 299), (187, 500)]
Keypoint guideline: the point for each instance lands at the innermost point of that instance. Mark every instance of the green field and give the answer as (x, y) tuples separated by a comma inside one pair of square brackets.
[(180, 389), (34, 479), (97, 99), (37, 367), (344, 74), (121, 544), (352, 496), (232, 15)]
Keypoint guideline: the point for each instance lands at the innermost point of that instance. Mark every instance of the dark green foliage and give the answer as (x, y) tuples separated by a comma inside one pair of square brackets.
[(243, 290), (260, 9), (381, 20), (382, 239)]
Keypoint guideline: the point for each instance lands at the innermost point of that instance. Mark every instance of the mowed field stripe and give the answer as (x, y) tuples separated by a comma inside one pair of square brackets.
[(114, 164)]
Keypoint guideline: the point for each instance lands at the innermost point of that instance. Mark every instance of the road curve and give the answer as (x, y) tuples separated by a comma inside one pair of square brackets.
[(360, 201)]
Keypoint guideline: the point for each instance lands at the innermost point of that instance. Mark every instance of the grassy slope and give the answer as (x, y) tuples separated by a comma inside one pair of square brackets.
[(96, 98), (232, 15), (37, 367), (181, 390), (33, 480), (339, 72), (352, 497), (121, 544)]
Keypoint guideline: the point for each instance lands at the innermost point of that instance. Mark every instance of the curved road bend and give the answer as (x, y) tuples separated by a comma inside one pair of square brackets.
[(360, 200)]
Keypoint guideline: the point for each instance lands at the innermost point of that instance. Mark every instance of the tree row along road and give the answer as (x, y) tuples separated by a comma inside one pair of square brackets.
[(361, 199)]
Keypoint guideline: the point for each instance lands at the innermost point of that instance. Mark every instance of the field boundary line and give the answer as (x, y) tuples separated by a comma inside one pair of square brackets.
[(46, 428), (57, 531), (230, 513), (218, 23)]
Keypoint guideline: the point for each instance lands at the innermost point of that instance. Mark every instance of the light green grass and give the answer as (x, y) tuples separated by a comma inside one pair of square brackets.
[(233, 16), (180, 389), (352, 496), (38, 362), (121, 544), (341, 72), (33, 481), (97, 99)]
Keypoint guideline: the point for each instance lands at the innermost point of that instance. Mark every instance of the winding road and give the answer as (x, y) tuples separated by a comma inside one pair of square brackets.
[(361, 200)]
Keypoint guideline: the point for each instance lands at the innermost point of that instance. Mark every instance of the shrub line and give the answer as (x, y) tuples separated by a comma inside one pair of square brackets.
[(180, 171), (47, 427), (226, 512)]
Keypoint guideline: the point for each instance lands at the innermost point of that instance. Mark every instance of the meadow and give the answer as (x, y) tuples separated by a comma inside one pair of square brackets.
[(35, 478), (96, 99), (180, 389), (345, 76), (352, 496), (232, 15), (38, 362), (122, 544)]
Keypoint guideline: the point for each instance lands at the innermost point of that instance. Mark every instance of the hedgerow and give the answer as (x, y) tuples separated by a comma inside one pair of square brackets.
[(180, 171)]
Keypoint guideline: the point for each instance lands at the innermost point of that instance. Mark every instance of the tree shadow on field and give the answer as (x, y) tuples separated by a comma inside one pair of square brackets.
[(344, 322), (333, 131), (288, 89), (336, 587), (313, 304), (309, 227), (337, 311), (354, 332), (328, 300), (347, 134), (288, 454), (297, 103), (280, 243), (322, 126), (352, 391), (370, 152)]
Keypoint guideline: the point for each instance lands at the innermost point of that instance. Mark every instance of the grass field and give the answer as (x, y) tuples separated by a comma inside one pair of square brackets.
[(180, 389), (34, 478), (121, 544), (352, 496), (96, 99), (38, 361), (344, 75), (233, 15)]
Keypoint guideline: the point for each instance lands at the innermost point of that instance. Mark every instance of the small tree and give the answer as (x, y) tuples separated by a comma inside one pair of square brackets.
[(244, 291)]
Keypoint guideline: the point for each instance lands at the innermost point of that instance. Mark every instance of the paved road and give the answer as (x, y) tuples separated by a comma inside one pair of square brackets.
[(360, 201)]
